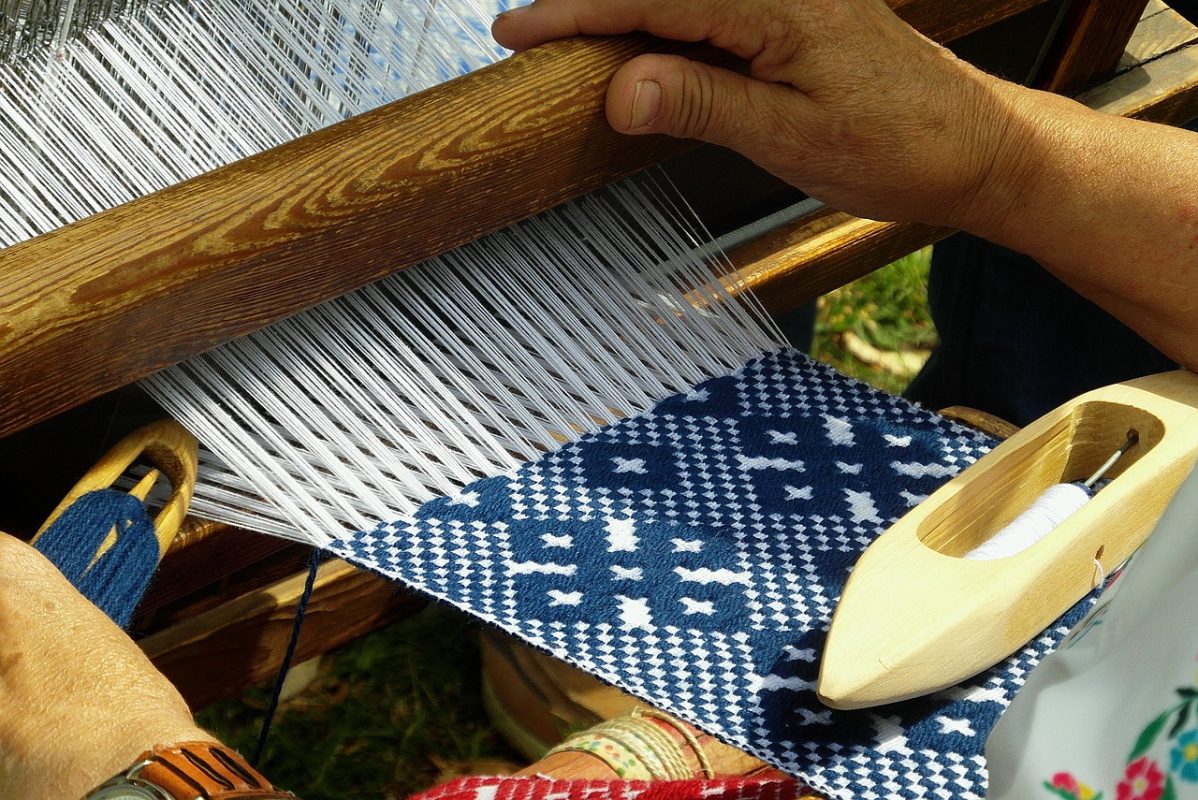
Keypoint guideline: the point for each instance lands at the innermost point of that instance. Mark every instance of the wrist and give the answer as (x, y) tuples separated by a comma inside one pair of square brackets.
[(74, 767), (1019, 138), (119, 750), (191, 770)]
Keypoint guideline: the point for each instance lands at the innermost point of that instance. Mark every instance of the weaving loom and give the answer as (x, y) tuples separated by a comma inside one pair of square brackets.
[(68, 379)]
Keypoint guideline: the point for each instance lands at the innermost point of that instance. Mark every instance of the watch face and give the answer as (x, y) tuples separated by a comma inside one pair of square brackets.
[(125, 791)]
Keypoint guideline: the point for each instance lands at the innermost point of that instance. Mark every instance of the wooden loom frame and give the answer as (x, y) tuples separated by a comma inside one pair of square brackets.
[(258, 237)]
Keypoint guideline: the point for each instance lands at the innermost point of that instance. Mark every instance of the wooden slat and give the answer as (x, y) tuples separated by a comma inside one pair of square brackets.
[(103, 302), (1161, 90), (1091, 43), (793, 265), (231, 647), (1156, 35), (203, 554)]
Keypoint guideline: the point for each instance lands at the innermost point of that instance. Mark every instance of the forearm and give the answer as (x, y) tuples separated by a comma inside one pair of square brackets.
[(1107, 204)]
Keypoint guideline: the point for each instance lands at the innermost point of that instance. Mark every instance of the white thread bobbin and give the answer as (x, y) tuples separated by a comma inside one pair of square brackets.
[(1054, 506)]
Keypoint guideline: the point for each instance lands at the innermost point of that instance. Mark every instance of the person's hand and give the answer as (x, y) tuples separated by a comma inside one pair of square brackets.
[(78, 700), (843, 99)]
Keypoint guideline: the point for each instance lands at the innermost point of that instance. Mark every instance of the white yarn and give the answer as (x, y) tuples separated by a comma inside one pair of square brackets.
[(361, 409), (1056, 505), (176, 88)]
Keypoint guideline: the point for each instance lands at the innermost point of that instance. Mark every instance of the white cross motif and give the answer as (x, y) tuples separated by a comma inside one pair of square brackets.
[(634, 465), (805, 493), (634, 613), (862, 507), (468, 499), (783, 438), (560, 598), (840, 431), (890, 735), (621, 536), (692, 606), (565, 540), (950, 725)]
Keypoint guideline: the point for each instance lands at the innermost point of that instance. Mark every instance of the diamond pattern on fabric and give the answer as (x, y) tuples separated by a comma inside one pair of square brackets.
[(693, 556)]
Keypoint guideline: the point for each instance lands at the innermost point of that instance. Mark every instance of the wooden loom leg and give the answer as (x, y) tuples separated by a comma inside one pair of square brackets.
[(1090, 43)]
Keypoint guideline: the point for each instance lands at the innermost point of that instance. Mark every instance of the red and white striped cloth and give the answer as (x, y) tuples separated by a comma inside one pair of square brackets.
[(542, 788)]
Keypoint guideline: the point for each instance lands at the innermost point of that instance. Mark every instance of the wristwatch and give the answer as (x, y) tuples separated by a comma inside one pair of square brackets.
[(188, 771)]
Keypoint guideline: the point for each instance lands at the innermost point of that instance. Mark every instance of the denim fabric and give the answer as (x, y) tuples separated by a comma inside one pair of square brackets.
[(1015, 341)]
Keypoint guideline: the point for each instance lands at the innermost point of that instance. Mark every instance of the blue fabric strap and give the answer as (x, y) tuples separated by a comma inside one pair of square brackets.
[(118, 579)]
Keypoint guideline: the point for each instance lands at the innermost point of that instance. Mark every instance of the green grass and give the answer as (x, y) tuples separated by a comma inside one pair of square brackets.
[(888, 309), (401, 709)]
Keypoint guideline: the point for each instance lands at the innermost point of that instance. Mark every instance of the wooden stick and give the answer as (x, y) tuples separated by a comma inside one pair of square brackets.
[(1094, 35), (103, 302)]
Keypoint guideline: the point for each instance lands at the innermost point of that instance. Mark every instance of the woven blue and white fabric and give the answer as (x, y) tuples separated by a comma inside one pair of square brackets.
[(693, 555)]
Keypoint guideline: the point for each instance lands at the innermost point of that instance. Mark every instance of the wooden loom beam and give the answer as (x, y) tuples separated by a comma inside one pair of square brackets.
[(1094, 33), (105, 301)]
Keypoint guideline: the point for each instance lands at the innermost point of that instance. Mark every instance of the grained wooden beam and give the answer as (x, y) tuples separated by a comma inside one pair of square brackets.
[(1090, 44), (105, 301)]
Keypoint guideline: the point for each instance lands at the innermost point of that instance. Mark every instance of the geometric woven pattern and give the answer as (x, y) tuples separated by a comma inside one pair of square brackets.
[(693, 555)]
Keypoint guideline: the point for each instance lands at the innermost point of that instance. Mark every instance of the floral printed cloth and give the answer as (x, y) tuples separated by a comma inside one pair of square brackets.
[(1113, 715)]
